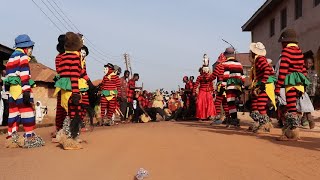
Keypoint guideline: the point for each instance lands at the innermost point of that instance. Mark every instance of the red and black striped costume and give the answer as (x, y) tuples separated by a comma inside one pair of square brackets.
[(220, 97), (70, 67), (204, 105), (204, 83), (292, 60), (262, 72), (233, 80), (112, 84), (60, 111), (84, 95)]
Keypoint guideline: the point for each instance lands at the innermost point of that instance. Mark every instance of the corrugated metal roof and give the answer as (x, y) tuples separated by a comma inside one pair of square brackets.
[(41, 73), (244, 59)]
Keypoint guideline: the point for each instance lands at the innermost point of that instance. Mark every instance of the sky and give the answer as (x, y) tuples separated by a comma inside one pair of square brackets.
[(165, 39)]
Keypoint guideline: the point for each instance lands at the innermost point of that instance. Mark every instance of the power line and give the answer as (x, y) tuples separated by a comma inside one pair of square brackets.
[(94, 58), (89, 41), (54, 14), (47, 17), (66, 16), (60, 15), (95, 54), (97, 60)]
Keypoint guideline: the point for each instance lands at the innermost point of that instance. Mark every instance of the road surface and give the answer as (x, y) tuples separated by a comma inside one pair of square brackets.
[(169, 151)]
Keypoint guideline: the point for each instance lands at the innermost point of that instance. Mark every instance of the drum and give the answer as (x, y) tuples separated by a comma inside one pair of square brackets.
[(145, 118)]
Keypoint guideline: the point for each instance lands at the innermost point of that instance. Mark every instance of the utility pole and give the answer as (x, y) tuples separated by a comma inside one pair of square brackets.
[(127, 62), (125, 55)]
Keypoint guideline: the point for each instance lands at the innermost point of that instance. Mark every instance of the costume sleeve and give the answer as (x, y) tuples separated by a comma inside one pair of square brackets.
[(262, 65), (24, 73), (57, 61), (283, 69), (75, 74), (218, 70)]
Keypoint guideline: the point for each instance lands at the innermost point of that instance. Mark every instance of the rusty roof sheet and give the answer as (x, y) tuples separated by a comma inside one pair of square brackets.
[(244, 59), (42, 73)]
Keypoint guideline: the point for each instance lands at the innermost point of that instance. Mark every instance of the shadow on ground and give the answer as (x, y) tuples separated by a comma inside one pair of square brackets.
[(311, 143)]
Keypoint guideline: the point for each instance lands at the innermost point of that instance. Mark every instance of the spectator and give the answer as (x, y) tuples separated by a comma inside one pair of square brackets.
[(307, 119), (175, 106), (140, 108), (131, 91), (124, 101)]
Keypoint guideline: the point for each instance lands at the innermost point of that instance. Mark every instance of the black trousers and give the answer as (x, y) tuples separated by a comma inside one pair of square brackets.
[(130, 109), (124, 108), (177, 114), (5, 112), (152, 112), (161, 112)]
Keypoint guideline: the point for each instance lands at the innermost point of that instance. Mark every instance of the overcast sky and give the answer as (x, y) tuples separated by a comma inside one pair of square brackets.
[(166, 39)]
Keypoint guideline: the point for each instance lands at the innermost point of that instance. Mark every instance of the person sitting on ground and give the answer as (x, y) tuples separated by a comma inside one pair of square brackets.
[(175, 106), (140, 108)]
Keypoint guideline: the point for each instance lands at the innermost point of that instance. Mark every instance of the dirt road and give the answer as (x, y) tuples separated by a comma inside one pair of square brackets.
[(169, 151)]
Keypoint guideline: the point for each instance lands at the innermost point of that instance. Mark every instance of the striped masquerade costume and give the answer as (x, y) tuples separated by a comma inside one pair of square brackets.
[(110, 89), (84, 91), (292, 75), (18, 70), (204, 105), (70, 68), (221, 95), (262, 74), (60, 111), (233, 81)]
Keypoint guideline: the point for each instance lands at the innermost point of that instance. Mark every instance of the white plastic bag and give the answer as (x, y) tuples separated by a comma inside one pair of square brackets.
[(304, 104)]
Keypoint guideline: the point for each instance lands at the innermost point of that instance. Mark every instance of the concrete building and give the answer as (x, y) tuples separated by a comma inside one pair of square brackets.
[(274, 16)]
